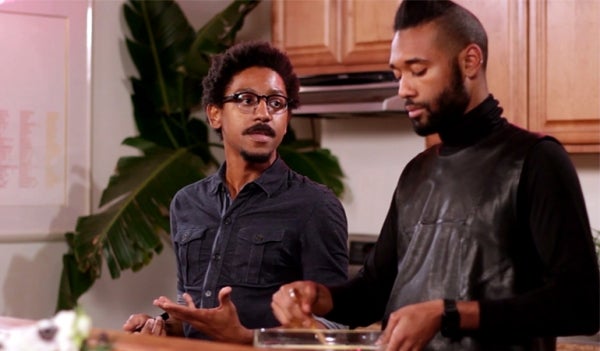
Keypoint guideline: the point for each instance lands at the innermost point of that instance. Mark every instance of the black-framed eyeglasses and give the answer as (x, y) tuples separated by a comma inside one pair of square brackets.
[(248, 101)]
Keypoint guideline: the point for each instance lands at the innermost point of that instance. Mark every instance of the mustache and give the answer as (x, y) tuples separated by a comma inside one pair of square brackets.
[(409, 102), (260, 128)]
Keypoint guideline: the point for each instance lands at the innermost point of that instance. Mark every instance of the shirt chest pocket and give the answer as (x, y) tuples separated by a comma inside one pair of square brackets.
[(258, 255), (193, 251)]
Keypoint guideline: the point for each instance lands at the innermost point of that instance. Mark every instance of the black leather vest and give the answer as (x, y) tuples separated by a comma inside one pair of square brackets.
[(458, 224)]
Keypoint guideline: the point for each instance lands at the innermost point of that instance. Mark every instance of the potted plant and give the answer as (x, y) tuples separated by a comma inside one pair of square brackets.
[(171, 59)]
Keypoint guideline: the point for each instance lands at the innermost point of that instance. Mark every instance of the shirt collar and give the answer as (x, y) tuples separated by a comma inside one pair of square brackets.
[(473, 126), (269, 181)]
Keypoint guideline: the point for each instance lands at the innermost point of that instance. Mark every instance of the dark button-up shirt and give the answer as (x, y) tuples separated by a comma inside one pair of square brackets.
[(280, 228)]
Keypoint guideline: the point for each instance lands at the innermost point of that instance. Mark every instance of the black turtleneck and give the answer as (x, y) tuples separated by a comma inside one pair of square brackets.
[(551, 202), (551, 207), (474, 126)]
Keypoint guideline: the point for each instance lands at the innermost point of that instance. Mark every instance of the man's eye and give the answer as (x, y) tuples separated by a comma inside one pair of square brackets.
[(419, 73), (276, 103), (247, 99)]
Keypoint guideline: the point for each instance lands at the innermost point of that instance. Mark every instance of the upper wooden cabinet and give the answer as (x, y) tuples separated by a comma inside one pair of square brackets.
[(332, 36), (506, 25), (564, 71), (544, 55), (544, 66)]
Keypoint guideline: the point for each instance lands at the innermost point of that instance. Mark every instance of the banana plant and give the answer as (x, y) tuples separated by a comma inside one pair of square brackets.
[(132, 222)]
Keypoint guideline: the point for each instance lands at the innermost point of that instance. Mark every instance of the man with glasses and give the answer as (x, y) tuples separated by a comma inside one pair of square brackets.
[(241, 233)]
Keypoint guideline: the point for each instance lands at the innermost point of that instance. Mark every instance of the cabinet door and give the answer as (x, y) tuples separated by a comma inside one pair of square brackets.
[(506, 25), (565, 72), (367, 28), (307, 31), (331, 36)]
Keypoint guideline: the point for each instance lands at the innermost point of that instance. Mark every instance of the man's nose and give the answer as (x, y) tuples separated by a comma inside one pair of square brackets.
[(262, 109), (405, 88)]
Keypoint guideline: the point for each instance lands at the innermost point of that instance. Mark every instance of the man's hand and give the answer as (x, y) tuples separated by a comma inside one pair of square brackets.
[(413, 326), (145, 324), (220, 323), (294, 304)]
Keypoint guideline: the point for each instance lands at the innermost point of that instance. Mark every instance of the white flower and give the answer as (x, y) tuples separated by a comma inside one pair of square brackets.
[(66, 331)]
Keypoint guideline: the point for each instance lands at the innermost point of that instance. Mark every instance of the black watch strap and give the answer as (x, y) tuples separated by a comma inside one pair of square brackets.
[(450, 320)]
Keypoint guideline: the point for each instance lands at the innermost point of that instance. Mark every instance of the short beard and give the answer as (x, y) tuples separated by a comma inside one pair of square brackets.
[(255, 158), (451, 105)]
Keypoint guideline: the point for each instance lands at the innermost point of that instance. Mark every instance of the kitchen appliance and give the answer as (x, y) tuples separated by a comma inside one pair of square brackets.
[(359, 246), (360, 94)]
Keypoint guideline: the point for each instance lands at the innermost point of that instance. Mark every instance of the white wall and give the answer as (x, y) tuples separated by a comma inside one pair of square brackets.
[(372, 153)]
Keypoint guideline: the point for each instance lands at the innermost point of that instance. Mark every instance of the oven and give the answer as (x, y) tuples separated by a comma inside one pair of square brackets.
[(359, 246)]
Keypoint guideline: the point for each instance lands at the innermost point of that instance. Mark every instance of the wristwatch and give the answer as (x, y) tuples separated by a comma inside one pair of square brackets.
[(450, 320)]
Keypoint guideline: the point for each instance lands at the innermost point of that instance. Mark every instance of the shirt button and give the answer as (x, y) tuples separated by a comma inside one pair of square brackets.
[(216, 257), (227, 220), (208, 293), (259, 238)]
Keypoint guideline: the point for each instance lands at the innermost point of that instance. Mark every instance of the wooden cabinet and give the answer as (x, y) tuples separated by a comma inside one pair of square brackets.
[(332, 36), (564, 71), (544, 55), (544, 66)]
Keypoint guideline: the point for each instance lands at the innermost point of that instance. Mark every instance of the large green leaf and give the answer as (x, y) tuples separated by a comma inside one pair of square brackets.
[(126, 231), (163, 94), (306, 157), (317, 164), (73, 282)]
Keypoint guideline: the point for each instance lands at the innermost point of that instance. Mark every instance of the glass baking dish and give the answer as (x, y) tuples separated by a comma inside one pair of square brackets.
[(317, 339)]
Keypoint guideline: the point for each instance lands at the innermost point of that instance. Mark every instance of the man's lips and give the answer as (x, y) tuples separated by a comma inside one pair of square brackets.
[(261, 138), (414, 111)]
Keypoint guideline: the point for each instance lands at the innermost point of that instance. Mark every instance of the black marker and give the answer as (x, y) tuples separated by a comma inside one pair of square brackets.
[(164, 317)]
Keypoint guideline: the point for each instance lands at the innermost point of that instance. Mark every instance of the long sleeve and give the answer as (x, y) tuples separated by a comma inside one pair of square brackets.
[(566, 302)]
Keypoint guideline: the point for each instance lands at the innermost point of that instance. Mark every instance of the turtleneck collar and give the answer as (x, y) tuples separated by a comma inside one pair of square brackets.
[(472, 127)]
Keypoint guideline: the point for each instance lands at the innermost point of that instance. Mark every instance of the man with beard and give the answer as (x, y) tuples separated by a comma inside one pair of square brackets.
[(487, 244), (254, 225)]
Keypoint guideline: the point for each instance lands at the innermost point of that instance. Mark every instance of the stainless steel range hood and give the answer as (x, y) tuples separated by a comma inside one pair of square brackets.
[(350, 95)]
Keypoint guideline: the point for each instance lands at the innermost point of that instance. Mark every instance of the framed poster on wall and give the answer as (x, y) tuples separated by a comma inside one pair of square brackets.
[(44, 117)]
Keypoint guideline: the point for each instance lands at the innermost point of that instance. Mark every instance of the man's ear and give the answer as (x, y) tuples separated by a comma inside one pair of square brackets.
[(213, 113), (471, 60)]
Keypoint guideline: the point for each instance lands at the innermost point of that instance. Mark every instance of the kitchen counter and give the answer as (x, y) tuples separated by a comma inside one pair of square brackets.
[(579, 343), (561, 346), (126, 342), (121, 341)]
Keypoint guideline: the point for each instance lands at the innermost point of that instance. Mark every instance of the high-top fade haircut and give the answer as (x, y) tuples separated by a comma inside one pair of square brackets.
[(241, 56), (457, 26)]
